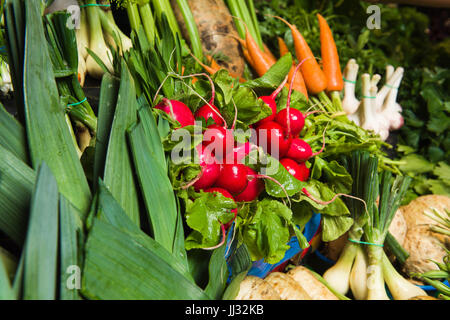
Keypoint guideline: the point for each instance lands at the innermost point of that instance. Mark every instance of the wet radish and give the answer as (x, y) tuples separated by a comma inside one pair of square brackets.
[(220, 140), (233, 177), (178, 111), (293, 118), (271, 137), (270, 101), (298, 171), (254, 187), (209, 166), (209, 111)]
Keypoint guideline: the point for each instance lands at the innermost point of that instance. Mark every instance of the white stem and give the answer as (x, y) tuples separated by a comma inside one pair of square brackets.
[(381, 95), (358, 275), (400, 288), (375, 280), (338, 276), (349, 102), (391, 111)]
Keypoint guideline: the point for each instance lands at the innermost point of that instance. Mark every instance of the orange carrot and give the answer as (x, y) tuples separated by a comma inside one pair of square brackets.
[(260, 62), (208, 69), (299, 82), (330, 58), (283, 47), (269, 54), (315, 78)]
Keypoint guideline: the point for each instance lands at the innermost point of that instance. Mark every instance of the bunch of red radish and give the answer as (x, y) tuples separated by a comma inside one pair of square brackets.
[(278, 134)]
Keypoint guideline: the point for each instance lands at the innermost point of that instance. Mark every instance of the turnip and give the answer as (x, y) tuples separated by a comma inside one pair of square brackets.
[(254, 187), (178, 111), (209, 166)]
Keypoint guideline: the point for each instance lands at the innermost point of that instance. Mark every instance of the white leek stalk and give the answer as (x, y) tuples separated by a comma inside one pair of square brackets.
[(375, 280), (371, 119), (399, 287), (97, 44), (391, 110), (338, 276), (82, 35), (358, 275), (6, 84), (350, 103)]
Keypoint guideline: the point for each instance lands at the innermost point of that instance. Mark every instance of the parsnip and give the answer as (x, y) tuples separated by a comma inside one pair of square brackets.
[(313, 287), (287, 287), (254, 288)]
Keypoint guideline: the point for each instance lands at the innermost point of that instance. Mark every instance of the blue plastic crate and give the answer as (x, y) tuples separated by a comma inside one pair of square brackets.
[(262, 269)]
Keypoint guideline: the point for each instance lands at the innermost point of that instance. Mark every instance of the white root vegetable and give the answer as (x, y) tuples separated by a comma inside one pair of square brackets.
[(97, 44), (358, 275), (420, 241), (399, 287), (287, 287), (313, 287), (398, 227), (82, 35), (254, 288), (371, 120), (81, 70), (391, 110), (338, 276), (350, 103), (375, 278)]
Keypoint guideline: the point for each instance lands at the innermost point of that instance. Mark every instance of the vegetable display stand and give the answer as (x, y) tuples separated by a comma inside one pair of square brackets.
[(430, 290), (261, 269)]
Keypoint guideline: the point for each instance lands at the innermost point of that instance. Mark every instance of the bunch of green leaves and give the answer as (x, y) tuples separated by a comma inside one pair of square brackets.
[(63, 52), (424, 145), (402, 40)]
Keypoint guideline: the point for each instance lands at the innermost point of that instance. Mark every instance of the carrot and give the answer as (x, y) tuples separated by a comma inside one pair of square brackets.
[(330, 58), (282, 47), (213, 62), (260, 62), (299, 82), (208, 69), (269, 54), (313, 75)]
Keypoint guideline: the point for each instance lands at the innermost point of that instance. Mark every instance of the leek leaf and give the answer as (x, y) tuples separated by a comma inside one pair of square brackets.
[(41, 248), (119, 173)]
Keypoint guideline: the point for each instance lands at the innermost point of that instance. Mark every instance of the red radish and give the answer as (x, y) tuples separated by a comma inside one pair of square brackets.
[(210, 168), (299, 150), (270, 101), (254, 187), (241, 150), (233, 177), (272, 134), (220, 140), (295, 118), (226, 194), (178, 111), (299, 171), (209, 111)]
